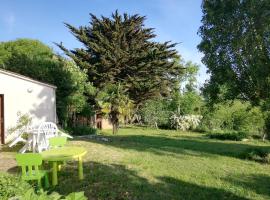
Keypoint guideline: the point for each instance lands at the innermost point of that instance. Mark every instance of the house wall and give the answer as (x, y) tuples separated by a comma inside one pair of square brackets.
[(106, 124), (26, 96)]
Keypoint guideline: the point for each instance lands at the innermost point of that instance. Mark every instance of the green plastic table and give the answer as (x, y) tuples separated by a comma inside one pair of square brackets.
[(64, 154)]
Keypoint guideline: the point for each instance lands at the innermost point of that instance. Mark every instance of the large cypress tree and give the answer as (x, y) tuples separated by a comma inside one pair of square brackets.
[(121, 50)]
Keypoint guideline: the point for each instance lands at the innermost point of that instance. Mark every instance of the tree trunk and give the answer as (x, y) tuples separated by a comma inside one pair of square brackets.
[(115, 121), (114, 129)]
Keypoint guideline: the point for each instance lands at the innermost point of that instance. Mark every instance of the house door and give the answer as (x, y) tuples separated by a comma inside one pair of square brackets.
[(2, 119)]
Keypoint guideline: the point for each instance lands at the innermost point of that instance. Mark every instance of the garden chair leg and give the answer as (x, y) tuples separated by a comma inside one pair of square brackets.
[(80, 168), (54, 173), (46, 181)]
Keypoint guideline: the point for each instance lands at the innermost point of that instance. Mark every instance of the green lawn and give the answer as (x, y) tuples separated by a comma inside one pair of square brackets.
[(159, 164)]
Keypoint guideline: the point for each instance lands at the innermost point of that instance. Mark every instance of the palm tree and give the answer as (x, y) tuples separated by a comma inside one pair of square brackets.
[(115, 103)]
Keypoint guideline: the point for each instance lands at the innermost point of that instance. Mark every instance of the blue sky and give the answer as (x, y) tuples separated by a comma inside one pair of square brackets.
[(176, 20)]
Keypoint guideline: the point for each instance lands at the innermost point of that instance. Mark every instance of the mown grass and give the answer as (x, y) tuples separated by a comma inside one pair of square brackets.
[(140, 163)]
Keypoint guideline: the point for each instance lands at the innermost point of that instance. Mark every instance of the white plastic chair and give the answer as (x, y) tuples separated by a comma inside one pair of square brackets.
[(17, 137), (32, 132), (46, 130)]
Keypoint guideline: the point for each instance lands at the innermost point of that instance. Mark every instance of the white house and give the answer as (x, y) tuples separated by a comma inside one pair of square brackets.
[(22, 94)]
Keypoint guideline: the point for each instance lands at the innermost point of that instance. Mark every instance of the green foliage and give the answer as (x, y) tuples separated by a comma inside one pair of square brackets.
[(235, 43), (228, 135), (122, 50), (36, 60), (156, 113), (189, 78), (82, 130), (159, 112), (71, 92), (27, 57), (258, 155), (11, 186), (234, 115), (187, 103), (41, 195), (114, 103)]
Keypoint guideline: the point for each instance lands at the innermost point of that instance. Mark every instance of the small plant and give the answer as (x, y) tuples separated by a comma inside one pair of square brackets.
[(228, 135), (23, 121), (11, 186)]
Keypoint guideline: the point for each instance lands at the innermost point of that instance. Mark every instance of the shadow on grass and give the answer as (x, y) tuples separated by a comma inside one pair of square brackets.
[(259, 183), (117, 182), (164, 145)]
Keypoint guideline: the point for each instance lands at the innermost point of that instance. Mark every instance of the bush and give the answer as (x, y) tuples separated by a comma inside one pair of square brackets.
[(228, 135), (82, 130), (234, 115), (11, 186), (258, 155), (185, 122)]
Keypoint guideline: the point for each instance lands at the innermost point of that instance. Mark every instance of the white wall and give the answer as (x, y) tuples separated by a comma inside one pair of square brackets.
[(26, 96)]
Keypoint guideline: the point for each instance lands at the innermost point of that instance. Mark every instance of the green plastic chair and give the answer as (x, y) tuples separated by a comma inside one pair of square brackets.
[(58, 141), (30, 162)]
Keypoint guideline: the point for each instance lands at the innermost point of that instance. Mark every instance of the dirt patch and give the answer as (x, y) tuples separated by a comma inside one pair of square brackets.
[(7, 160)]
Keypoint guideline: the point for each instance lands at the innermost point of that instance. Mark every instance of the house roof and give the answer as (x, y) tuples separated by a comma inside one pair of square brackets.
[(13, 74)]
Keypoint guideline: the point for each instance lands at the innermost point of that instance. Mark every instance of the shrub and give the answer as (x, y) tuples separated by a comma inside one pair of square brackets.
[(258, 155), (11, 186), (82, 130), (24, 120), (228, 135), (185, 122), (234, 115)]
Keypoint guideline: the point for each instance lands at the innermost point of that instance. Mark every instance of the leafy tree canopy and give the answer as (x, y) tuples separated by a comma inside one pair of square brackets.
[(36, 60), (236, 46)]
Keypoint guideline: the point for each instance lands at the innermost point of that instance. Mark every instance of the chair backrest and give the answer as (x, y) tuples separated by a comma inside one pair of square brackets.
[(28, 162), (46, 130), (58, 141)]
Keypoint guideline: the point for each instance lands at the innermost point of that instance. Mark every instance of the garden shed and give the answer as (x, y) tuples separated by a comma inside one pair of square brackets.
[(21, 94)]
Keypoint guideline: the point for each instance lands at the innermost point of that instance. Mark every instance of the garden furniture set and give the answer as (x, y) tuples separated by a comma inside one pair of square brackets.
[(48, 145)]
